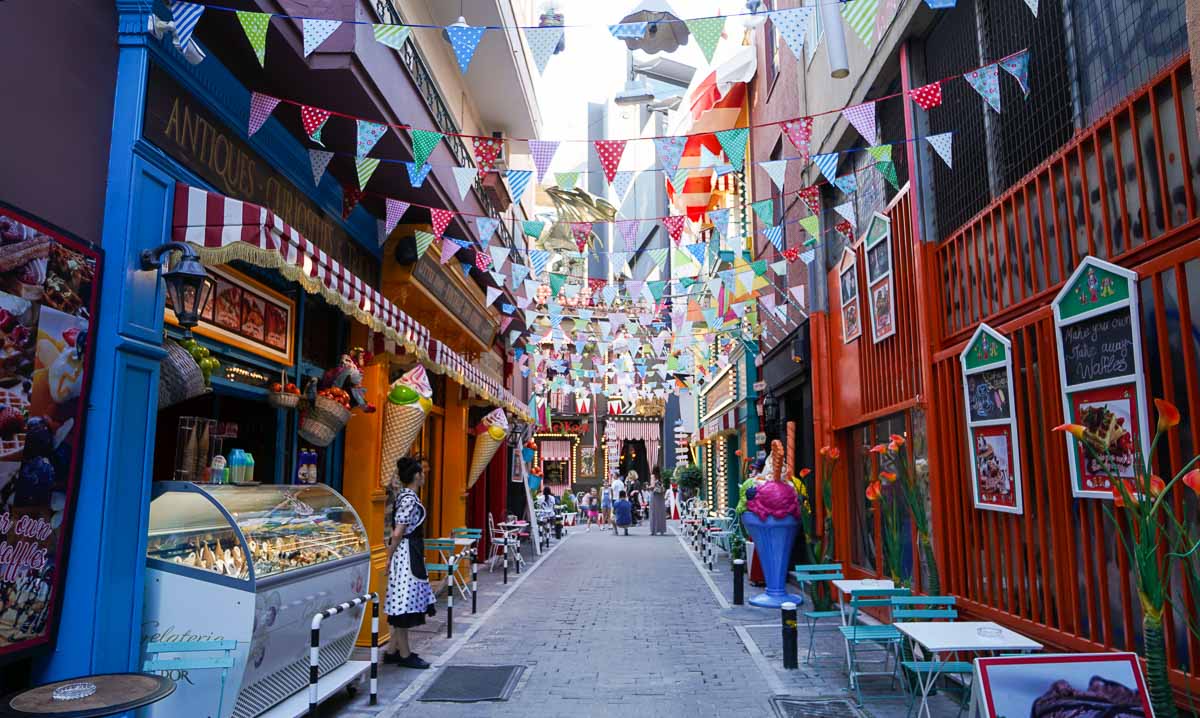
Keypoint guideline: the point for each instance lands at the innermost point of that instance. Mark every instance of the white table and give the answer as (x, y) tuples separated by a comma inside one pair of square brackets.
[(944, 640), (463, 546), (847, 586)]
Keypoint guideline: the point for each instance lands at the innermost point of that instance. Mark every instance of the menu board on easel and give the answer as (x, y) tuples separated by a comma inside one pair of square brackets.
[(991, 421), (881, 299), (1100, 367), (848, 283)]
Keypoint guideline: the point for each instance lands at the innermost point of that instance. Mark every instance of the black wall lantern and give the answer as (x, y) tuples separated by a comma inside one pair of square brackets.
[(771, 414), (189, 288)]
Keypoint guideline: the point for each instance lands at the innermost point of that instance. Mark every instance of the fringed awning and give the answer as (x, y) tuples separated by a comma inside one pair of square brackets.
[(555, 450), (635, 430), (224, 229)]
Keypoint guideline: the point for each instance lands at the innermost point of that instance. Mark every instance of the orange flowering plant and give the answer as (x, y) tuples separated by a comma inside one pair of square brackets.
[(896, 490), (819, 538), (1153, 522)]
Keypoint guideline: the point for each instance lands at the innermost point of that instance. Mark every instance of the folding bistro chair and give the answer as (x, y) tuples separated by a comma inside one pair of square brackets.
[(447, 562), (883, 638), (189, 661), (810, 575), (720, 531), (929, 608), (497, 541)]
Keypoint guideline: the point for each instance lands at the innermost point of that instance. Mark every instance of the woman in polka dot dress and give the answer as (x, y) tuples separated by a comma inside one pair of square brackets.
[(409, 597)]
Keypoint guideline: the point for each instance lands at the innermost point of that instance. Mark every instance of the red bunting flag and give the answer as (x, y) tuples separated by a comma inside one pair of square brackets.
[(927, 96), (441, 220), (581, 231), (799, 131), (487, 151), (845, 229), (812, 198), (483, 260), (313, 119), (596, 285), (674, 225), (791, 253), (350, 199), (609, 152)]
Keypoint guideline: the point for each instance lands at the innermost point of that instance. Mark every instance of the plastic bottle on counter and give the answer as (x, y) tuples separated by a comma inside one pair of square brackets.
[(216, 474), (249, 474), (237, 466)]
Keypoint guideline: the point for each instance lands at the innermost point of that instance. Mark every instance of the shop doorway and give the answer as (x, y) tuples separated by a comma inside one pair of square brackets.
[(633, 458), (556, 475)]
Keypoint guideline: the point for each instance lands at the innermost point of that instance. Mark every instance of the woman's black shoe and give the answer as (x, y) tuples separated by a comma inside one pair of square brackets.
[(412, 660), (393, 657)]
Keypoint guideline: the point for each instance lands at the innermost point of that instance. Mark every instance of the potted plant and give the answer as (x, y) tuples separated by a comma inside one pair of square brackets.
[(819, 535), (689, 478)]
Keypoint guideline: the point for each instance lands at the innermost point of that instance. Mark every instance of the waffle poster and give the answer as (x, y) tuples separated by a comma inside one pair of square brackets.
[(48, 294)]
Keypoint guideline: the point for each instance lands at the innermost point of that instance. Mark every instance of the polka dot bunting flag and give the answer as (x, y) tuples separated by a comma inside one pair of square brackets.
[(542, 43), (313, 119), (674, 225), (487, 150), (440, 220), (255, 25), (928, 96), (799, 132), (986, 81), (609, 152), (317, 31), (707, 31), (464, 39), (423, 144)]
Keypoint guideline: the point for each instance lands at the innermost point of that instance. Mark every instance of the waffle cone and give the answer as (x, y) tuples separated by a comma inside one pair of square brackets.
[(485, 450), (401, 425)]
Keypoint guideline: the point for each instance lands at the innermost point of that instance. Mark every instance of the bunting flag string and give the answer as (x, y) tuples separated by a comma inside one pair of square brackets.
[(261, 107)]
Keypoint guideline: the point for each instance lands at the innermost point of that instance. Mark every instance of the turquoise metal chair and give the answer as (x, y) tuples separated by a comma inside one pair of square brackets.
[(871, 638), (929, 608), (809, 576), (189, 661)]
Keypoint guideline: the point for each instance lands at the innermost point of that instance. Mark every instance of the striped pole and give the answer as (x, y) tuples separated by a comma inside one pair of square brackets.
[(504, 551), (520, 558), (474, 584), (450, 611), (314, 647), (314, 662), (375, 649)]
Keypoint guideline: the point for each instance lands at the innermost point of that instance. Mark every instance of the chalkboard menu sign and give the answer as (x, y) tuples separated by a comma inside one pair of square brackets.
[(1100, 366), (1099, 348), (991, 422)]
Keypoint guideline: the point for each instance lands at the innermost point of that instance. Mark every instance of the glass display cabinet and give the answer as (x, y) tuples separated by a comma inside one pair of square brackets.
[(251, 564)]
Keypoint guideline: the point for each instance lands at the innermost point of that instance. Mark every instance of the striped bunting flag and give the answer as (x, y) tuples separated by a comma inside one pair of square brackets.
[(187, 14), (860, 17), (518, 180), (392, 35), (538, 259), (827, 163), (366, 167), (775, 234)]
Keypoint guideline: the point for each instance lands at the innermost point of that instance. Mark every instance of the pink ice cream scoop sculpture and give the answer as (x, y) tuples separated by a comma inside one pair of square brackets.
[(774, 498)]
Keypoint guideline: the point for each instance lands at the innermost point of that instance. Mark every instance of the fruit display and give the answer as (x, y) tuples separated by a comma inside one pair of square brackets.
[(204, 358), (338, 395), (284, 396)]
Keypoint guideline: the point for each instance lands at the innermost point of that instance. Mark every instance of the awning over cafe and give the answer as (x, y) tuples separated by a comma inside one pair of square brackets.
[(224, 229)]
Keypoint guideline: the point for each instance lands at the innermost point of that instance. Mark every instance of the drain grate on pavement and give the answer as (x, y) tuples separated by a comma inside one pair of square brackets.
[(824, 708), (472, 684)]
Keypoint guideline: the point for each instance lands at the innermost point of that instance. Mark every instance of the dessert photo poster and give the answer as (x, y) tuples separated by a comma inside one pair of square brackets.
[(1109, 684), (49, 285), (1109, 416)]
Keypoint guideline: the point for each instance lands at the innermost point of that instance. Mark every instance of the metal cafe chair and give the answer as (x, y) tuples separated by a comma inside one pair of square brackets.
[(810, 575), (928, 608), (871, 638)]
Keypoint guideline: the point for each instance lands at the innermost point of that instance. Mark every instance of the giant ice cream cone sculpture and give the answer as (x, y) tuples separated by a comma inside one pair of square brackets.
[(408, 403), (495, 431), (772, 518)]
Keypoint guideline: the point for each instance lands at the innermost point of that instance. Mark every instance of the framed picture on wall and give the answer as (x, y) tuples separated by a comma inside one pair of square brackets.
[(881, 299), (991, 421), (248, 315), (1094, 684), (848, 283), (587, 462)]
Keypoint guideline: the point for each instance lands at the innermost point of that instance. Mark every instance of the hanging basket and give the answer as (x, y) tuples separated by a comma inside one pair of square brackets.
[(315, 430), (283, 400), (179, 377), (335, 413)]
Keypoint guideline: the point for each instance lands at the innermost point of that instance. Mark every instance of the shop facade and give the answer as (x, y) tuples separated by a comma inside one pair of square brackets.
[(727, 427)]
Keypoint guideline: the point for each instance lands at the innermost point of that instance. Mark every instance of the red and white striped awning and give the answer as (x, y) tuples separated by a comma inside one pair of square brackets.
[(224, 229), (635, 430), (555, 450)]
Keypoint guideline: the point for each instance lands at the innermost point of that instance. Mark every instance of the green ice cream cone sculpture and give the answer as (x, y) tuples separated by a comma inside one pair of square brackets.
[(495, 431), (408, 403)]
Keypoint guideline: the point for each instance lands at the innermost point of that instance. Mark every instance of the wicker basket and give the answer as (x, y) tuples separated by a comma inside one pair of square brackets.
[(179, 378), (283, 400), (333, 412), (315, 430)]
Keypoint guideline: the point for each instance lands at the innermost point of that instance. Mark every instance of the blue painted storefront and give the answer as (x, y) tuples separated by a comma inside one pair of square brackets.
[(100, 628)]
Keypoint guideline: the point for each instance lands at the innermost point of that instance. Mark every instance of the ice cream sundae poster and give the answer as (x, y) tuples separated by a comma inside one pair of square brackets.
[(1108, 684), (1111, 426), (49, 286), (993, 460)]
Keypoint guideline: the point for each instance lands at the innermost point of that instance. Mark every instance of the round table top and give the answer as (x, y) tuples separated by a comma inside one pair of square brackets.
[(115, 693)]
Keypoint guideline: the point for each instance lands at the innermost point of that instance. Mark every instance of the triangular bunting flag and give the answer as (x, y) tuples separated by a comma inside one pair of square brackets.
[(674, 225), (942, 145), (812, 198), (365, 167), (860, 17), (518, 274), (792, 24), (487, 150), (779, 268), (609, 152), (720, 220), (518, 180), (659, 257), (464, 39), (656, 290), (582, 232), (486, 227), (317, 32), (261, 106), (620, 184), (319, 160), (808, 255), (441, 220), (863, 118), (928, 96), (628, 30), (542, 43), (791, 253), (493, 294), (556, 283), (483, 261), (848, 184), (499, 257), (538, 259), (764, 209), (417, 173), (881, 153), (394, 209), (368, 134), (733, 141), (707, 31), (532, 227), (1033, 6), (350, 199), (628, 229), (392, 35), (1018, 66), (186, 15), (799, 133), (669, 151), (542, 152), (827, 163), (464, 178), (986, 81), (811, 224), (697, 251), (424, 240), (313, 119), (423, 144), (775, 234), (888, 170), (846, 210), (466, 268), (566, 180), (776, 170), (255, 25), (449, 248)]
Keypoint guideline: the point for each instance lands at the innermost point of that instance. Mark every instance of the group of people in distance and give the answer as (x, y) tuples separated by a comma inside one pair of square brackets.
[(621, 503)]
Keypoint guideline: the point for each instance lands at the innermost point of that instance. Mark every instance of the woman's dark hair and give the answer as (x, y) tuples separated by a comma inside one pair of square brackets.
[(407, 469), (655, 473), (546, 491)]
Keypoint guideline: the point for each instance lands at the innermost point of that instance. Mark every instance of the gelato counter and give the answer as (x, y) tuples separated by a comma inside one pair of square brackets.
[(251, 564)]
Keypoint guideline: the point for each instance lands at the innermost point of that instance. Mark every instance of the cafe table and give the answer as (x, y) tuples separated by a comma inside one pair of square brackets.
[(88, 696), (944, 640), (462, 546)]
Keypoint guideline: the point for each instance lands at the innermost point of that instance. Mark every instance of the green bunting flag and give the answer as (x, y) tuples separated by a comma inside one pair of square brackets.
[(765, 210), (881, 153), (733, 141), (860, 16), (566, 180), (366, 168), (424, 240), (255, 26), (888, 170), (759, 267), (532, 228), (423, 144), (811, 224), (392, 35), (707, 31), (556, 283)]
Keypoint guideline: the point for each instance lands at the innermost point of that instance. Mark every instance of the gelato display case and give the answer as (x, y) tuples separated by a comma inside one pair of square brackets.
[(251, 564)]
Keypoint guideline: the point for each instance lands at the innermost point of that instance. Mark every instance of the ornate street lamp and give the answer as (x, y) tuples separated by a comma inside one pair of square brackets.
[(771, 414), (189, 288)]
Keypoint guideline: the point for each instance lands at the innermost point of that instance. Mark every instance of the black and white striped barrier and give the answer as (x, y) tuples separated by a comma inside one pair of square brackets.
[(314, 650)]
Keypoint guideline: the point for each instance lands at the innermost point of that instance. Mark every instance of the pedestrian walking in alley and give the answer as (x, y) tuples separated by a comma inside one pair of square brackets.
[(592, 507), (658, 509), (409, 597), (622, 513), (606, 504)]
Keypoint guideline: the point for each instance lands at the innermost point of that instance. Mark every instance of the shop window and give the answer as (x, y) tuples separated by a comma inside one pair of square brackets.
[(190, 433), (862, 520), (320, 344)]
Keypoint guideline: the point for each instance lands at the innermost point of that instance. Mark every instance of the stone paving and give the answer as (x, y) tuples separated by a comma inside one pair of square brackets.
[(615, 626)]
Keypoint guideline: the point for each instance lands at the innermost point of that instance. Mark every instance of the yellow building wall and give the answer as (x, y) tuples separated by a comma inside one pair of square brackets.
[(452, 500)]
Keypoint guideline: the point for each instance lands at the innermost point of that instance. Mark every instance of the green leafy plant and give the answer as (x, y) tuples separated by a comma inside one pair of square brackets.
[(689, 477), (1153, 525), (911, 492), (819, 536)]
